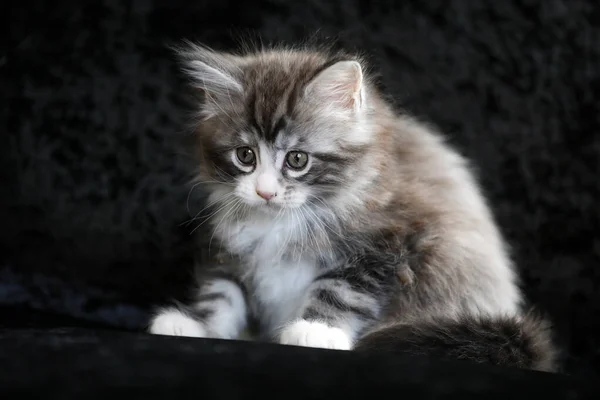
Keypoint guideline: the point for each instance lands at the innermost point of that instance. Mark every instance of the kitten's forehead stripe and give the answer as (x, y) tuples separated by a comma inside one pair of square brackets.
[(268, 90), (280, 125), (273, 87), (251, 109)]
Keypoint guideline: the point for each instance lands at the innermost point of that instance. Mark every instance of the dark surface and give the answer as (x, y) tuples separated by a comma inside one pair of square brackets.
[(25, 318), (95, 364), (92, 195)]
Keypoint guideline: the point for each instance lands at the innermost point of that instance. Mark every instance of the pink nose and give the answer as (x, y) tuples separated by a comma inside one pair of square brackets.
[(266, 195)]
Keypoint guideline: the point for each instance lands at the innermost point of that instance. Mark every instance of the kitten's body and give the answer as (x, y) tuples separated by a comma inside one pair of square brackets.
[(382, 228)]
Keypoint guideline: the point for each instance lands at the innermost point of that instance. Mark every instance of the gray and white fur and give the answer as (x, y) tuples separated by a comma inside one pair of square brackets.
[(342, 223)]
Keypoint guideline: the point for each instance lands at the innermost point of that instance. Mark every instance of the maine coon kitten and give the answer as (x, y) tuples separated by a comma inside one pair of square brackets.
[(342, 224)]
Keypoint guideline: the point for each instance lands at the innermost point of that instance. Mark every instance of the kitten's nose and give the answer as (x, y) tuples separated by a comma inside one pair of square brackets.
[(266, 185), (266, 195)]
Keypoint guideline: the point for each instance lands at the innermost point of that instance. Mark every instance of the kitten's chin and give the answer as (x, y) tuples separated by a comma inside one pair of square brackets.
[(262, 206), (273, 209)]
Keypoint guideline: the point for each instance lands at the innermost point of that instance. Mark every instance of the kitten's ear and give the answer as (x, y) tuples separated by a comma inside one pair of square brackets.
[(216, 74), (340, 86)]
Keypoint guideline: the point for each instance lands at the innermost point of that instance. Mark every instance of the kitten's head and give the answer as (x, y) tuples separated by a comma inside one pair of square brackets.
[(279, 129)]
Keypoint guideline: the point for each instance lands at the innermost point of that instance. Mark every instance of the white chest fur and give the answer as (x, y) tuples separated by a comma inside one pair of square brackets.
[(278, 265), (279, 292)]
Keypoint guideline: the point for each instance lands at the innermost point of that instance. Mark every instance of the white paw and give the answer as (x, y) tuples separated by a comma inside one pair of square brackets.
[(173, 322), (315, 334)]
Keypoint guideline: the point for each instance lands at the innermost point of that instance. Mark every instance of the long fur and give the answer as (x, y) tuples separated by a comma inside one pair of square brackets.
[(384, 224), (522, 342)]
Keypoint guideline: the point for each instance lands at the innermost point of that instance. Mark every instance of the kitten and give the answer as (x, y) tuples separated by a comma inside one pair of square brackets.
[(343, 224)]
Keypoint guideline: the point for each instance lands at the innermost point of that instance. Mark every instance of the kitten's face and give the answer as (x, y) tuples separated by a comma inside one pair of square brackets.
[(279, 130), (271, 175)]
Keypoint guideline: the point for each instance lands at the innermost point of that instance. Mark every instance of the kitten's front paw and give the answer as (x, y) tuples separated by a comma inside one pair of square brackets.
[(172, 322), (315, 334)]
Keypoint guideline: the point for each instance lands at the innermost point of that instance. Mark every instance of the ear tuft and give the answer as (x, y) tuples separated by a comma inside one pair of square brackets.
[(211, 78), (216, 74), (340, 85)]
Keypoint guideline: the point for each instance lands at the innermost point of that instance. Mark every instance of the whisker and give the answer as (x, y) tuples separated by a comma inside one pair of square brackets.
[(217, 183), (326, 225), (233, 207), (210, 204), (315, 224), (300, 229), (306, 228), (219, 170), (222, 207), (187, 201)]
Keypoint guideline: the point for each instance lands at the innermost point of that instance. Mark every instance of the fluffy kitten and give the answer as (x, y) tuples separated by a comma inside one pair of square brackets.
[(343, 224)]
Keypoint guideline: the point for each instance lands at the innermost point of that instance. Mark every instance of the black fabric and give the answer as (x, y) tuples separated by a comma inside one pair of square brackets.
[(96, 364), (93, 196)]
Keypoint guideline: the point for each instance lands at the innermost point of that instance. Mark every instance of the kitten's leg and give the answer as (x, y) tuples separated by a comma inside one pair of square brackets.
[(219, 311), (334, 315), (343, 303)]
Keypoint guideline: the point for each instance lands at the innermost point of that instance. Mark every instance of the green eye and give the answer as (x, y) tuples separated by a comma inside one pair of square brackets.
[(297, 159), (245, 155)]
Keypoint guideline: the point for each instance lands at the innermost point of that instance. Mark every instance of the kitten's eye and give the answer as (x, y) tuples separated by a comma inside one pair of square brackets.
[(246, 155), (297, 159)]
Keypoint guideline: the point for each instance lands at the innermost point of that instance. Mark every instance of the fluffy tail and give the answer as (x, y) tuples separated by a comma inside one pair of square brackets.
[(522, 342)]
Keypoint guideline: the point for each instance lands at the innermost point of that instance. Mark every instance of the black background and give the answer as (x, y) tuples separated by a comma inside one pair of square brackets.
[(93, 185)]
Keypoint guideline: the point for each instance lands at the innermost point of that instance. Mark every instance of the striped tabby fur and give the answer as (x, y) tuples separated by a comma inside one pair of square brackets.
[(342, 223)]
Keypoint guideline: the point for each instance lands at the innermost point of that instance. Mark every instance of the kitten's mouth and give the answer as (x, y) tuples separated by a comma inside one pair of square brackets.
[(274, 209), (278, 207), (269, 205)]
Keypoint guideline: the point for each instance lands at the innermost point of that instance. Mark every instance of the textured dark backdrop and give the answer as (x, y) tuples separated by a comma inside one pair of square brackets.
[(93, 192)]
